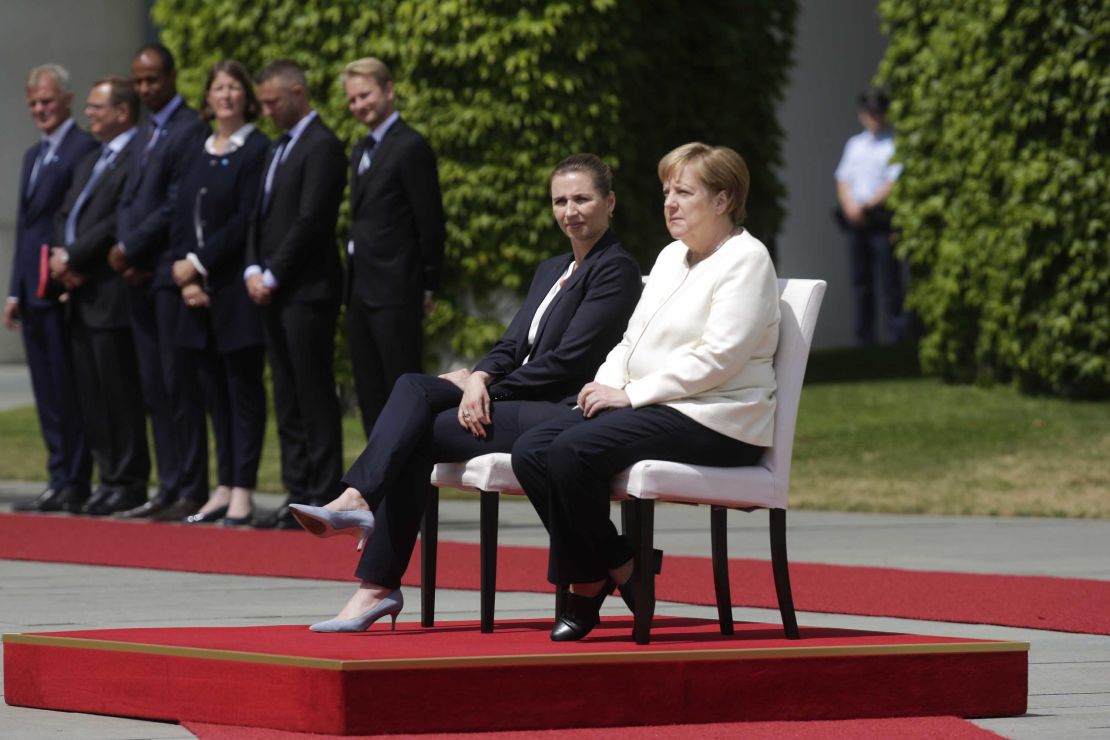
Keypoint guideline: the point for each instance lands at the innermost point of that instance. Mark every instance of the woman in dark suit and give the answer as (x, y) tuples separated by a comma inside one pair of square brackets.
[(222, 328), (575, 309)]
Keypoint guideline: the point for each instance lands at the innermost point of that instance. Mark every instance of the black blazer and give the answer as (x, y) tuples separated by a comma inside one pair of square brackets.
[(147, 205), (35, 219), (585, 321), (102, 302), (295, 237), (221, 190), (397, 223)]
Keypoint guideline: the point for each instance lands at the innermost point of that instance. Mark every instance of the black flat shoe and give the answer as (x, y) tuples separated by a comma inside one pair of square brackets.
[(202, 517), (628, 588), (237, 521), (581, 615)]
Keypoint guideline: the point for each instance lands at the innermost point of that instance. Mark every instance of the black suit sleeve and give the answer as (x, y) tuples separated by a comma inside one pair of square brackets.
[(595, 327), (420, 177), (323, 176), (151, 232), (89, 250)]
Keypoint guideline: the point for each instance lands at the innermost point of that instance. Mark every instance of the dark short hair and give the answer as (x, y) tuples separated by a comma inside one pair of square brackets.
[(874, 101), (592, 165), (163, 53), (120, 91), (287, 69), (238, 72)]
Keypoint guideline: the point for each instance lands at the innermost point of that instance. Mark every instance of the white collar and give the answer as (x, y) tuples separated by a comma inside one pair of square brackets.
[(380, 132), (117, 144), (54, 138), (235, 141)]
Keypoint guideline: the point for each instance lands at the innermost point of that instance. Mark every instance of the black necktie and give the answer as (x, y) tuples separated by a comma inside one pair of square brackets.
[(279, 152), (368, 145)]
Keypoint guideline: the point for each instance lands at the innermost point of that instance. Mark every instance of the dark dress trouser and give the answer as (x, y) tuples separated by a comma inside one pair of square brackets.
[(46, 342), (231, 383), (417, 428), (300, 344), (171, 393), (871, 251), (112, 410), (566, 467), (385, 343)]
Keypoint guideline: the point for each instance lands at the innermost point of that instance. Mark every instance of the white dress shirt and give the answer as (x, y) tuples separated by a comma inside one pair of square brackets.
[(865, 164)]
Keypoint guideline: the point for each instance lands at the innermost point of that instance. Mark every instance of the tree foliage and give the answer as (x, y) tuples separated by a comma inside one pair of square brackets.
[(1001, 109), (504, 89)]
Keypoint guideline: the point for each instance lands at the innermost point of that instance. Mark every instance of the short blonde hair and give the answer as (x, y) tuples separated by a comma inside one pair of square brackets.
[(56, 72), (719, 168), (368, 67)]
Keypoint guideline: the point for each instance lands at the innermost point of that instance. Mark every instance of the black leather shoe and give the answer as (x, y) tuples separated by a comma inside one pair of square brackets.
[(581, 615), (178, 510), (628, 588), (280, 519), (120, 499), (67, 498), (147, 509), (206, 517), (98, 497)]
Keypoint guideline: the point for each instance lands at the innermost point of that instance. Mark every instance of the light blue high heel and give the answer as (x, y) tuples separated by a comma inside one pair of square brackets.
[(326, 523), (390, 604)]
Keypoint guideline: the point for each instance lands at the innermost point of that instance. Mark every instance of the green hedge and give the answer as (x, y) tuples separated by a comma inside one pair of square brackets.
[(503, 89), (1001, 110)]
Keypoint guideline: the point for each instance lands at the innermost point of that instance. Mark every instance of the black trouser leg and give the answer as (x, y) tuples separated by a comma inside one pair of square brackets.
[(567, 466)]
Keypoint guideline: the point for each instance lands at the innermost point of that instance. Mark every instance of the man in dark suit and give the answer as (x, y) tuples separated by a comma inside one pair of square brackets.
[(396, 244), (293, 271), (47, 173), (100, 318), (171, 135)]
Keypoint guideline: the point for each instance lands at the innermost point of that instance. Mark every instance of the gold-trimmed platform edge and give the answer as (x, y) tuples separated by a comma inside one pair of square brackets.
[(382, 664)]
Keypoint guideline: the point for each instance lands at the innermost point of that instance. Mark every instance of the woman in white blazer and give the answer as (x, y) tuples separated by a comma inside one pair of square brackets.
[(691, 381)]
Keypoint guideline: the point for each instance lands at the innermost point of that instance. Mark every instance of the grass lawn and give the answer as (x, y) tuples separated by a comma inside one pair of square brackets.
[(872, 436)]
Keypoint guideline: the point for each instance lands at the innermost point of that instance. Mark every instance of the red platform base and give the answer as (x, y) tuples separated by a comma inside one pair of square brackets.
[(453, 678)]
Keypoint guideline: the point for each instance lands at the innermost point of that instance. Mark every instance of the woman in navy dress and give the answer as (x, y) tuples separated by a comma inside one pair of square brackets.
[(222, 328)]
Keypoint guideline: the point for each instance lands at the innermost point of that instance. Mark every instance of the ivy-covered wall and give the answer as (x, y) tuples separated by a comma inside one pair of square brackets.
[(504, 89), (1002, 110)]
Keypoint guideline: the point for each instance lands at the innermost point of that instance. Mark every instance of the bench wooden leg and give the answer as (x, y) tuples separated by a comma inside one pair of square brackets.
[(718, 537), (645, 573), (781, 567), (490, 501), (429, 538)]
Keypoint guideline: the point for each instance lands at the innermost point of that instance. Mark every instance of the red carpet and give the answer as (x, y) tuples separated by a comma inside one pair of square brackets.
[(454, 678), (904, 728), (1039, 602)]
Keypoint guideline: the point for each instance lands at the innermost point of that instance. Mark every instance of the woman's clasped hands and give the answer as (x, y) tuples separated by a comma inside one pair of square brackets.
[(474, 408), (596, 397)]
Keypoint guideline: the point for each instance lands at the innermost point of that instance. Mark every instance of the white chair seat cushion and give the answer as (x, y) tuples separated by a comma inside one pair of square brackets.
[(750, 486), (648, 479), (491, 472)]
